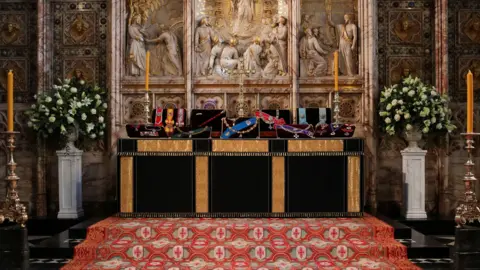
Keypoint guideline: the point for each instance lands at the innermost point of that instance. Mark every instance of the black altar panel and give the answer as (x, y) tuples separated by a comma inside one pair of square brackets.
[(240, 184), (164, 184), (309, 185)]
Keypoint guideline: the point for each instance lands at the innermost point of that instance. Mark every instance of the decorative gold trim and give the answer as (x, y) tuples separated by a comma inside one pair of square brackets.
[(201, 184), (238, 154), (353, 184), (126, 184), (164, 146), (278, 184), (240, 146), (241, 215), (315, 145)]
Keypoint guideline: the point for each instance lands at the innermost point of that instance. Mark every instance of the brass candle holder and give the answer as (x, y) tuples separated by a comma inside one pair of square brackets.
[(12, 210), (468, 210), (336, 108)]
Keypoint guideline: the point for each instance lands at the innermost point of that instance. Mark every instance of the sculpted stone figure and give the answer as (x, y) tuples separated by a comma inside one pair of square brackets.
[(214, 64), (313, 63), (229, 57), (251, 57), (281, 39), (274, 66), (347, 36), (245, 14), (203, 46), (137, 47), (167, 60)]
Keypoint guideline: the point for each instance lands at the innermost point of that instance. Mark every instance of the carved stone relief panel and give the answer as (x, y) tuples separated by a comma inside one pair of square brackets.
[(79, 40), (402, 67), (133, 108), (469, 26), (275, 102), (405, 41), (463, 42), (170, 101), (253, 34), (251, 104), (209, 102), (18, 48), (405, 27), (314, 101), (156, 26), (327, 26), (351, 110)]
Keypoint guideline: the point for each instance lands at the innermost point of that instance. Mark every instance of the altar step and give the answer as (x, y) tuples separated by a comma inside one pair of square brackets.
[(427, 251)]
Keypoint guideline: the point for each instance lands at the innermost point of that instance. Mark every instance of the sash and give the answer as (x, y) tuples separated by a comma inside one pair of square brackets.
[(302, 117), (345, 35), (238, 127), (270, 119), (180, 117), (322, 116), (159, 117), (189, 134), (211, 119), (297, 131)]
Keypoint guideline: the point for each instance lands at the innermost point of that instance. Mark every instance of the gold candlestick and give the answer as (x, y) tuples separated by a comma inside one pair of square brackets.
[(146, 109), (240, 72), (12, 210), (468, 211), (336, 108)]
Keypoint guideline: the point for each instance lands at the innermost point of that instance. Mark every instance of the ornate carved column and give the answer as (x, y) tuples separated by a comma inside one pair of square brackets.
[(441, 83), (369, 66), (44, 80), (295, 22), (188, 49), (441, 45)]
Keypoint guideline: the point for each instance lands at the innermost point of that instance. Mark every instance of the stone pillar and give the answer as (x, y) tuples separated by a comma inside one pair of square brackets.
[(414, 182), (70, 183)]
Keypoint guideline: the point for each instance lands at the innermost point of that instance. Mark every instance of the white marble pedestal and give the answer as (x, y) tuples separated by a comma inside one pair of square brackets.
[(70, 183), (413, 159)]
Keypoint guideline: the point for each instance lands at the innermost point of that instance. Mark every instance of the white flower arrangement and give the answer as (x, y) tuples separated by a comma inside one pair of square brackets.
[(414, 105), (70, 104)]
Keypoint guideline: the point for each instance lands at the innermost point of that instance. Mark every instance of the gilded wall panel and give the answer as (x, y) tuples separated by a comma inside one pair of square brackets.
[(463, 42), (405, 27), (210, 101), (80, 40), (405, 41), (18, 48), (400, 67)]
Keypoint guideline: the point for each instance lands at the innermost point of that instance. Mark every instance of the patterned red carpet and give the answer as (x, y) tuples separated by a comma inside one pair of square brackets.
[(188, 243)]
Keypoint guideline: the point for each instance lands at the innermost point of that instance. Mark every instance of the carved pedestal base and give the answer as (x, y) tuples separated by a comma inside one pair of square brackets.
[(70, 183), (414, 182)]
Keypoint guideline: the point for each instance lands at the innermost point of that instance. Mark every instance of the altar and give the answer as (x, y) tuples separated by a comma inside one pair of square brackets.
[(271, 177)]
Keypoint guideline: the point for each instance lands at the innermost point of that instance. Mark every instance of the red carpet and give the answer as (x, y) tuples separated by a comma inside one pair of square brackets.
[(203, 243)]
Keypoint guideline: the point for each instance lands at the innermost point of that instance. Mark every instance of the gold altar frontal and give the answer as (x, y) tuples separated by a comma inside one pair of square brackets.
[(241, 176)]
